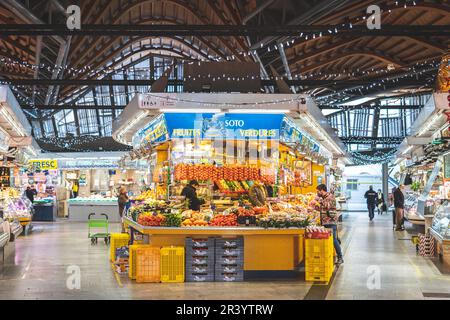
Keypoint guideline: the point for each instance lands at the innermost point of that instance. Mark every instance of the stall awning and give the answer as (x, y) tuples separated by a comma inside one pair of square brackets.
[(289, 118)]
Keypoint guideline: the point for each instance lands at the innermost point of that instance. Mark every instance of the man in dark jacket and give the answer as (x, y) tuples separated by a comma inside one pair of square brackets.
[(371, 197), (399, 205), (30, 193), (190, 193)]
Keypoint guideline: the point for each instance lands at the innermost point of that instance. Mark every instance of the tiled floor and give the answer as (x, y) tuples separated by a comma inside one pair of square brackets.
[(382, 264), (39, 269)]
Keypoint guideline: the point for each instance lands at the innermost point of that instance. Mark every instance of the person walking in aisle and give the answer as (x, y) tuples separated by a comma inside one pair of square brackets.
[(381, 205), (329, 216), (399, 205), (371, 197)]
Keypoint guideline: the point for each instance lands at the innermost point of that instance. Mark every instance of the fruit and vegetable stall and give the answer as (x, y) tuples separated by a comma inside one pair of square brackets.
[(273, 233)]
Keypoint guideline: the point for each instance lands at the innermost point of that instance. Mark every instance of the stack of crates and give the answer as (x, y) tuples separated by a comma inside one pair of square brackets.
[(319, 263), (229, 260), (117, 240), (426, 245), (172, 264), (199, 260), (148, 264)]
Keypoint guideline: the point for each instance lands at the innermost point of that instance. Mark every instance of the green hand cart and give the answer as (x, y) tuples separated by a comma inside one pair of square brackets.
[(98, 228)]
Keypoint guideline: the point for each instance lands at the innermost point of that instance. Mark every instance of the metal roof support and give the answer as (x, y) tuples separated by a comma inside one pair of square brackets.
[(23, 13), (286, 65), (38, 61), (258, 10)]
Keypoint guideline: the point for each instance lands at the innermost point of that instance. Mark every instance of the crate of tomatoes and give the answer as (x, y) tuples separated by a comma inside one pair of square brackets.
[(315, 232), (246, 216)]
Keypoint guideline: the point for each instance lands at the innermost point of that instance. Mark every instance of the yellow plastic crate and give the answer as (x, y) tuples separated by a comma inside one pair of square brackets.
[(172, 264), (319, 264), (148, 264), (318, 277), (117, 240), (319, 268), (132, 259), (319, 247)]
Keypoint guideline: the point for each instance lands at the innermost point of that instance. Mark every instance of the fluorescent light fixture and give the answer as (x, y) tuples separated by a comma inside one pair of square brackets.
[(407, 150), (129, 126), (183, 110), (12, 122), (430, 124), (321, 131), (258, 111)]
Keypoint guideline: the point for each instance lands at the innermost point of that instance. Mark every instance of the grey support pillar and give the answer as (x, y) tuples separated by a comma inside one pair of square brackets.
[(385, 178)]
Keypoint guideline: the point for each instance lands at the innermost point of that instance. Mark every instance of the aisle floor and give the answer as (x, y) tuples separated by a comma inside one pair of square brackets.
[(382, 264), (40, 270)]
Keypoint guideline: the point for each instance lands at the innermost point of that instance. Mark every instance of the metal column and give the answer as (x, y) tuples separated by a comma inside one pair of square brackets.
[(385, 183)]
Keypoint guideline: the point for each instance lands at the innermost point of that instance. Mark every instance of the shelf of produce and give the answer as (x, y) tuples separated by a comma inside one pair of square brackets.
[(272, 252)]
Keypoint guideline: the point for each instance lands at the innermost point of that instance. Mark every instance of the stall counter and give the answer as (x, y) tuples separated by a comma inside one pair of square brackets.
[(80, 208), (267, 252)]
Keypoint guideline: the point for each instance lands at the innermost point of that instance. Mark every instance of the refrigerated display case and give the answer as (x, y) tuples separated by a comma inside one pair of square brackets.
[(4, 232), (441, 221)]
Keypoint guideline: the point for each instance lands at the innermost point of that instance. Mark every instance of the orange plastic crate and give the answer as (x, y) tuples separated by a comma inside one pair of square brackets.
[(132, 259), (148, 264)]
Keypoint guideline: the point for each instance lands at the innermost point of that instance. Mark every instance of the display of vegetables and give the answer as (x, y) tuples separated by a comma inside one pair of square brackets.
[(151, 219), (173, 220), (223, 220), (283, 220)]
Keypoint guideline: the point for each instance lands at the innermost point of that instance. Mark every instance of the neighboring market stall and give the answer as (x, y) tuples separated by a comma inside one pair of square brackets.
[(97, 175), (425, 161), (257, 172)]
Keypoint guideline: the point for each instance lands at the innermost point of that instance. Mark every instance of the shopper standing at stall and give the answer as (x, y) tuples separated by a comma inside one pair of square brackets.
[(371, 197), (123, 201), (399, 203), (329, 216), (190, 192), (30, 193), (75, 187)]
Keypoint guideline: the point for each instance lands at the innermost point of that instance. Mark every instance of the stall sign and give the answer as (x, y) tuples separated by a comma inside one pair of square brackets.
[(227, 126), (154, 132), (290, 133), (44, 164), (89, 164)]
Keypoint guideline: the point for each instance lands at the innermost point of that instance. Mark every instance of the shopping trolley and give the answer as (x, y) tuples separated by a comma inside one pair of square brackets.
[(98, 228)]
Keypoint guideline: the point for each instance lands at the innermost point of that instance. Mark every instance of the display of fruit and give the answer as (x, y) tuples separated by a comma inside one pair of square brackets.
[(172, 220), (151, 219), (222, 220), (260, 210), (245, 212), (228, 172), (145, 195), (192, 222)]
